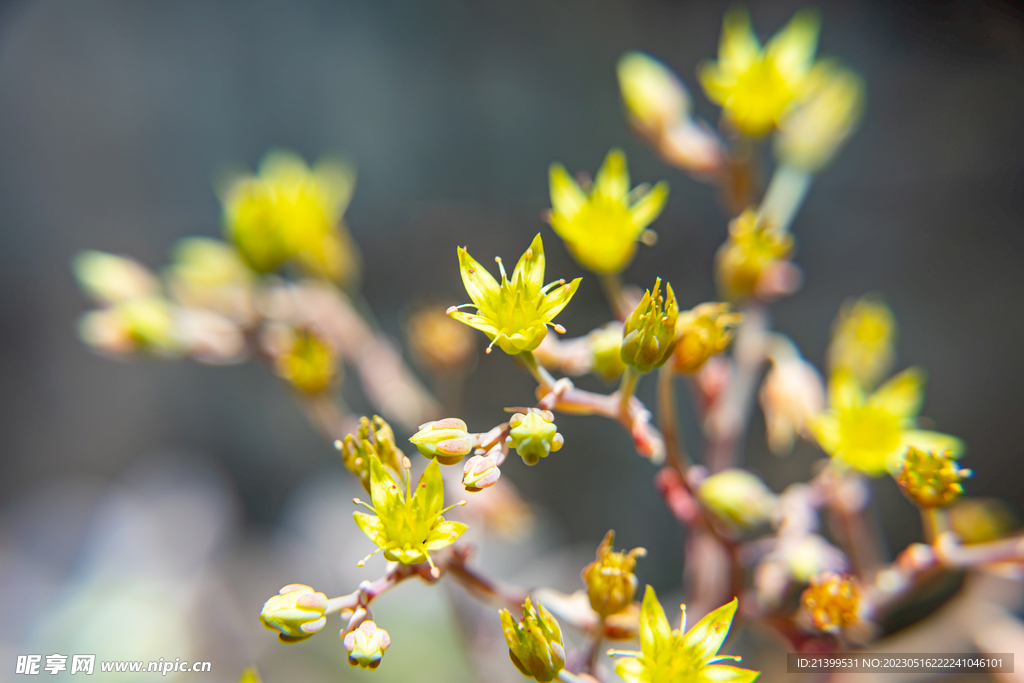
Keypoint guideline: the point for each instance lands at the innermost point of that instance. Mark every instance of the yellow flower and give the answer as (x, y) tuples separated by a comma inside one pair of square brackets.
[(290, 212), (678, 656), (703, 332), (407, 527), (516, 313), (872, 432), (610, 580), (649, 337), (831, 601), (753, 246), (535, 643), (931, 478), (601, 229), (863, 340), (755, 86), (309, 364)]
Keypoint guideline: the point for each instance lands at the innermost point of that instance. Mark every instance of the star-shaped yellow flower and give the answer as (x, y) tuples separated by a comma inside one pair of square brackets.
[(601, 228), (872, 432), (756, 85), (407, 527), (516, 313), (680, 656)]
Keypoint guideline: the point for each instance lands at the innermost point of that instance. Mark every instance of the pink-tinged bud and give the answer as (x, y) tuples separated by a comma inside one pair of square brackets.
[(447, 440), (296, 613), (366, 645), (479, 473)]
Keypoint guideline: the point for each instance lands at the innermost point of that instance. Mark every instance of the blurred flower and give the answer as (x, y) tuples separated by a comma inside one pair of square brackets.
[(209, 274), (250, 675), (831, 601), (667, 655), (752, 248), (534, 435), (111, 279), (979, 520), (535, 643), (649, 337), (309, 363), (654, 96), (606, 351), (703, 332), (872, 432), (601, 228), (145, 324), (480, 473), (792, 394), (208, 337), (739, 497), (437, 342), (366, 645), (809, 555), (863, 340), (931, 478), (296, 613), (610, 580), (756, 86), (812, 132), (515, 314), (289, 212), (407, 527), (447, 440)]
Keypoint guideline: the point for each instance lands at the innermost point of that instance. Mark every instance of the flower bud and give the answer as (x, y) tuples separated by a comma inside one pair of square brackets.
[(111, 279), (309, 364), (210, 274), (296, 613), (831, 601), (610, 580), (534, 435), (366, 645), (606, 351), (979, 520), (930, 478), (447, 440), (535, 643), (751, 250), (811, 133), (703, 332), (792, 394), (654, 96), (357, 451), (649, 337), (480, 473), (738, 497)]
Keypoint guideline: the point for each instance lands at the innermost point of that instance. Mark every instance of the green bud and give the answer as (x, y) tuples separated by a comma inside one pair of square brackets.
[(606, 351), (375, 439), (534, 435), (296, 613), (111, 279), (535, 643), (310, 365), (649, 337), (366, 645), (610, 580), (447, 440), (738, 497)]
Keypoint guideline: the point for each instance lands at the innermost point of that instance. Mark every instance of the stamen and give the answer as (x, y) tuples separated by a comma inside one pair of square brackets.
[(461, 503), (434, 571), (362, 562), (501, 267), (365, 504), (338, 444), (529, 254)]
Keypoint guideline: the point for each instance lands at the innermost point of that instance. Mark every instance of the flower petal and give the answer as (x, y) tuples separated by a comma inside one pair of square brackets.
[(531, 269), (430, 491), (612, 181), (566, 196), (826, 430), (901, 395), (555, 301), (844, 392), (480, 284), (649, 206), (372, 526), (707, 636), (933, 441), (655, 632), (792, 49), (723, 673), (630, 669), (738, 48), (444, 534), (384, 490)]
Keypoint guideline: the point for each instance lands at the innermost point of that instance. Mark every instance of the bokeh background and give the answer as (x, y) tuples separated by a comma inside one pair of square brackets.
[(147, 509)]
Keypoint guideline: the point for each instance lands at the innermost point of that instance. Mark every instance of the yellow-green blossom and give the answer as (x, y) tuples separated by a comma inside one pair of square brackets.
[(738, 497), (309, 364), (534, 435), (535, 643), (407, 526), (871, 432), (863, 340), (753, 246), (250, 675), (610, 580), (366, 645), (832, 601), (810, 134), (680, 656), (755, 86), (515, 314), (649, 336), (601, 228), (374, 440), (290, 212)]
